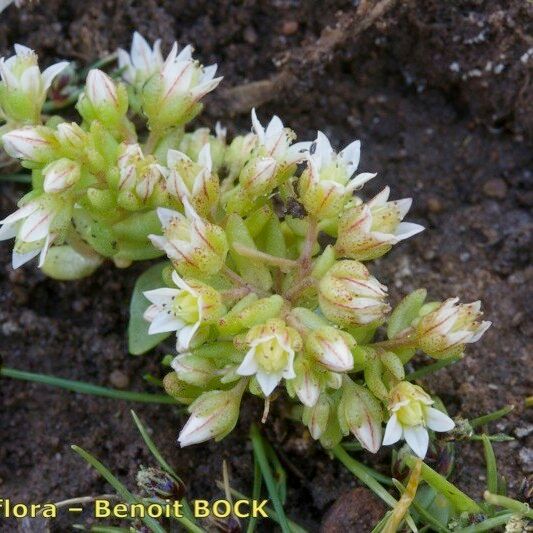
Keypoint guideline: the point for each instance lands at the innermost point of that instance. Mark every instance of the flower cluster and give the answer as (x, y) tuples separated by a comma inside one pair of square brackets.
[(97, 184), (267, 286)]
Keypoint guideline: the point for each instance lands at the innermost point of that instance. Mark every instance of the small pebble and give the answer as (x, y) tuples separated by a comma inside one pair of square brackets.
[(250, 35), (495, 188), (119, 380), (434, 204), (289, 27)]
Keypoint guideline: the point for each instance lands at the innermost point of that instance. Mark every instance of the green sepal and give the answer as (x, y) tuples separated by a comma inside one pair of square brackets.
[(405, 312)]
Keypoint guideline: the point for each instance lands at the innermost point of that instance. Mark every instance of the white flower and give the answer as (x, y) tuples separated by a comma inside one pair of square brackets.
[(100, 89), (450, 326), (32, 225), (271, 354), (194, 245), (191, 180), (410, 416), (367, 231), (327, 181), (21, 75), (137, 172), (61, 175), (29, 143), (182, 310), (182, 76), (142, 61), (276, 141), (170, 97)]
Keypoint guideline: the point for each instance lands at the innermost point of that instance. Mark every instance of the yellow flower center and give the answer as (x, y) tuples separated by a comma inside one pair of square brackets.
[(185, 306), (271, 356), (412, 414)]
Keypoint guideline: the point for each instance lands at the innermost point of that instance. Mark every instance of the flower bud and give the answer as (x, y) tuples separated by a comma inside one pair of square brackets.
[(349, 295), (138, 174), (142, 61), (195, 246), (71, 137), (306, 384), (258, 177), (192, 143), (194, 181), (23, 88), (160, 484), (193, 369), (171, 96), (30, 144), (213, 415), (238, 152), (367, 231), (331, 348), (316, 416), (103, 100), (444, 331), (61, 175), (360, 413), (179, 390)]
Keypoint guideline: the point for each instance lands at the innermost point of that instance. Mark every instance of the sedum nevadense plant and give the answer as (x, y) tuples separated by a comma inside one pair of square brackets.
[(266, 287)]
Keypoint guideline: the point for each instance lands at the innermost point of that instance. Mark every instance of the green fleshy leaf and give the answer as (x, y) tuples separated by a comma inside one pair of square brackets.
[(139, 341), (405, 312)]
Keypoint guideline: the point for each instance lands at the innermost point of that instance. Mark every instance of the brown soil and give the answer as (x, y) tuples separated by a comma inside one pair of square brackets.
[(441, 99)]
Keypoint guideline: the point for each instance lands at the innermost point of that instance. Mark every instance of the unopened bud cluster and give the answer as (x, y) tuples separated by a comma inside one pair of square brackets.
[(256, 300)]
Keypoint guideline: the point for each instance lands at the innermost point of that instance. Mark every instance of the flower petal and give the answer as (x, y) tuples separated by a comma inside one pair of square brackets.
[(164, 323), (19, 259), (249, 366), (161, 296), (393, 431), (267, 382), (438, 421), (51, 72), (418, 439)]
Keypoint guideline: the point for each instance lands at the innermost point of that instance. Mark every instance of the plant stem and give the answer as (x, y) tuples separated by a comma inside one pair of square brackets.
[(256, 493), (284, 264), (355, 468), (491, 417), (456, 497), (429, 369), (151, 142), (86, 388), (293, 293), (16, 178), (307, 250), (117, 485), (487, 525), (508, 503), (260, 455), (233, 276), (295, 528)]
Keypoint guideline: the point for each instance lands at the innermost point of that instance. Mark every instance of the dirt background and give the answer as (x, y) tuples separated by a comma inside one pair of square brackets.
[(440, 94)]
